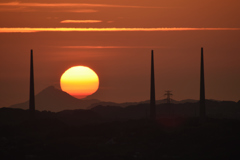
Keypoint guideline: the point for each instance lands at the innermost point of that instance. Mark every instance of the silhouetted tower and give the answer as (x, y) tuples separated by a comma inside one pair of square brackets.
[(202, 91), (152, 92), (31, 95), (168, 94)]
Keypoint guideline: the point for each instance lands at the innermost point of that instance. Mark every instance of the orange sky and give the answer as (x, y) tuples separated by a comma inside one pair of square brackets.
[(176, 30)]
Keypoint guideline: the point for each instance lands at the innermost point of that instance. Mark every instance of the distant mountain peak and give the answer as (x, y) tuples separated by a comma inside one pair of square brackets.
[(53, 99), (52, 92), (50, 88)]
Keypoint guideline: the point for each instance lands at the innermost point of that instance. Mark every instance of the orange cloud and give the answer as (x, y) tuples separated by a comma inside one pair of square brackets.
[(32, 9), (15, 9), (81, 21), (70, 5), (108, 47), (29, 30), (80, 10)]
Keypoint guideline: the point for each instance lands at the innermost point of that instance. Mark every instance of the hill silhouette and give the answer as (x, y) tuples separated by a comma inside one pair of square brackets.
[(114, 132), (56, 136), (52, 99), (215, 109), (100, 113), (55, 100)]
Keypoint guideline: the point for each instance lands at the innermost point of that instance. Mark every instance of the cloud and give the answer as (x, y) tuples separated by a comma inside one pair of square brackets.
[(61, 7), (108, 47), (15, 9), (25, 9), (29, 30), (33, 7), (81, 21), (80, 11), (71, 5)]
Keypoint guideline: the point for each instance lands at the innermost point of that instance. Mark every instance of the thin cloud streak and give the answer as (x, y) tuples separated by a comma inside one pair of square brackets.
[(79, 11), (81, 21), (108, 47), (28, 9), (71, 5), (14, 9), (29, 30)]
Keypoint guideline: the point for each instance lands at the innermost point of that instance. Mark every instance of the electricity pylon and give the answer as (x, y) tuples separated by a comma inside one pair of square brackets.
[(168, 94)]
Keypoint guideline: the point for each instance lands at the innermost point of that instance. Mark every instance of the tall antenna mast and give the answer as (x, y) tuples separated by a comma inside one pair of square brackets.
[(152, 92), (31, 95), (202, 91)]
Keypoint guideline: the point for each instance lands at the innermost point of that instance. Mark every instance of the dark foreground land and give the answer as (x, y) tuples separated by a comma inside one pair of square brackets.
[(167, 139)]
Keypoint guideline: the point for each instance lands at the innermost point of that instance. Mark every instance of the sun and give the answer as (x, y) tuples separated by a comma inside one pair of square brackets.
[(79, 81)]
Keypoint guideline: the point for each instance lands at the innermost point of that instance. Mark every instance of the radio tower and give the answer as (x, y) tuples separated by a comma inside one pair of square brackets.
[(152, 91), (168, 94), (31, 94), (202, 91)]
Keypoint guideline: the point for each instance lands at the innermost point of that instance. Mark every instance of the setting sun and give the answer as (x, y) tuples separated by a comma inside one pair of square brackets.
[(79, 81)]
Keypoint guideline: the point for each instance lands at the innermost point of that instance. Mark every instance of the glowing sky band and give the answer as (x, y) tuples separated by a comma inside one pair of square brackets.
[(81, 21), (29, 30)]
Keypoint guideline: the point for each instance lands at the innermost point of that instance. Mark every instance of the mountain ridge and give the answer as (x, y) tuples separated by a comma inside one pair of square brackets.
[(55, 100), (52, 99)]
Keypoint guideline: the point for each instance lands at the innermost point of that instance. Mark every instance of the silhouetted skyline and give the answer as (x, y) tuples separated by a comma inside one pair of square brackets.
[(127, 117)]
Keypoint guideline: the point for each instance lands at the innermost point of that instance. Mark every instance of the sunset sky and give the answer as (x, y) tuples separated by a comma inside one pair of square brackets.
[(115, 39)]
